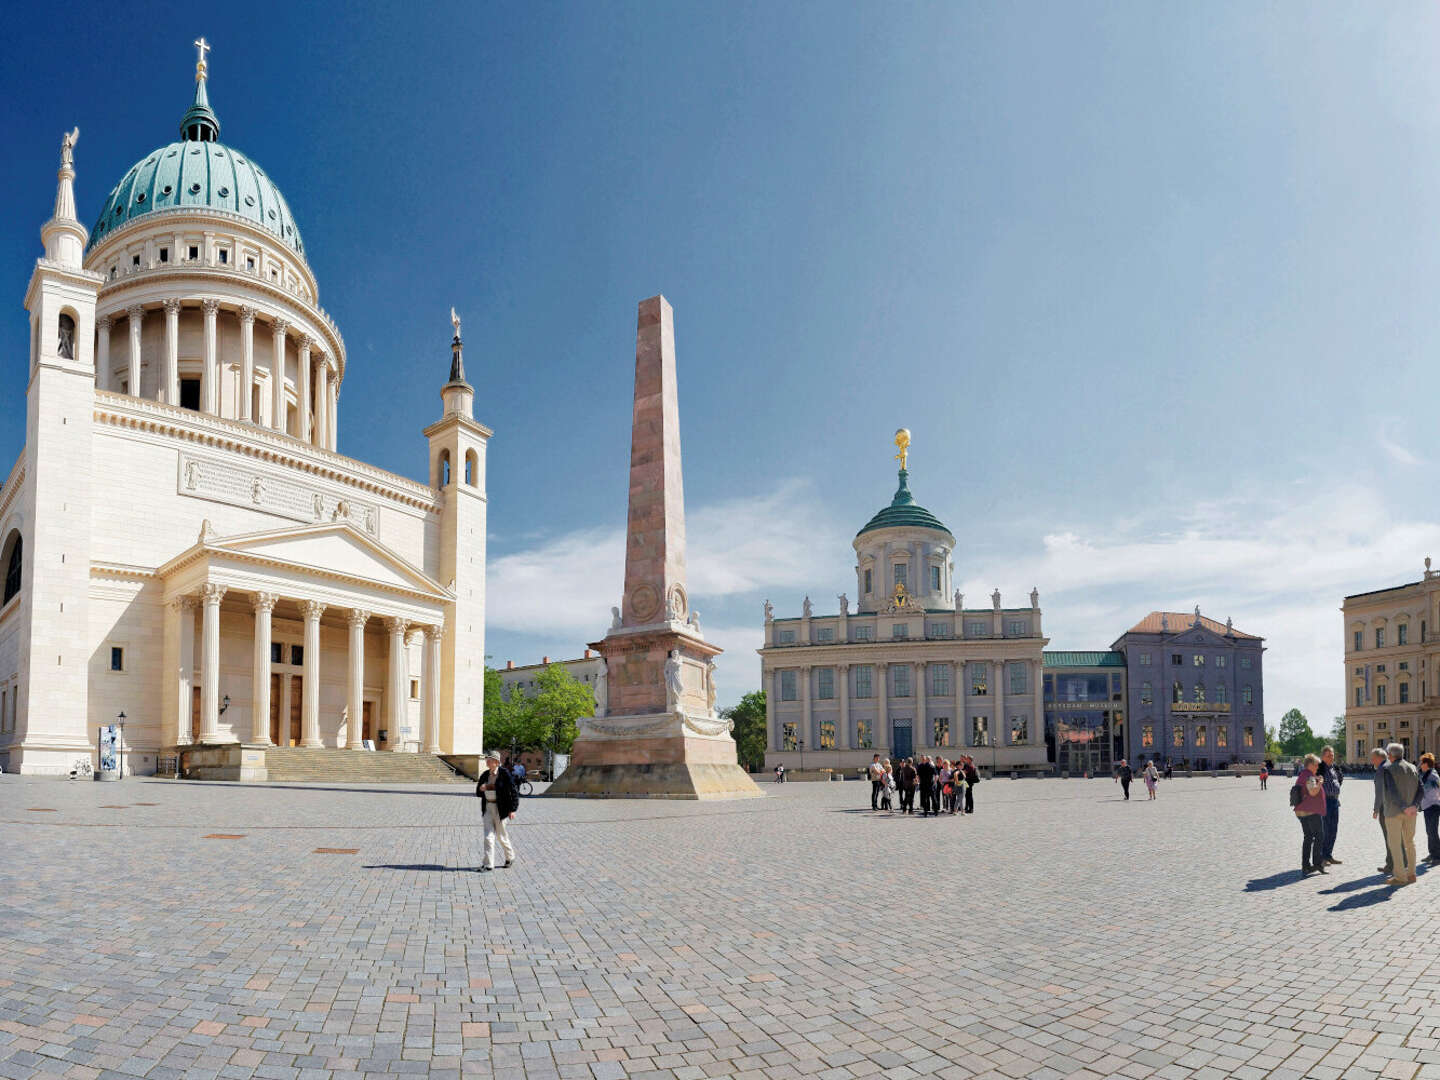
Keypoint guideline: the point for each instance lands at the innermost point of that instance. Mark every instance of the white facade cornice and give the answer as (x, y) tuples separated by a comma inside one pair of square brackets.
[(901, 652), (13, 483), (122, 410)]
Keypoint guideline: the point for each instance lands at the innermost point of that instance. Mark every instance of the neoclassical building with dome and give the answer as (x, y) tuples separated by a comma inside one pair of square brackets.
[(182, 540), (911, 670)]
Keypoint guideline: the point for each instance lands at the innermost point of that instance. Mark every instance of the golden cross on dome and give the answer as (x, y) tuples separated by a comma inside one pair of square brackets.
[(201, 48)]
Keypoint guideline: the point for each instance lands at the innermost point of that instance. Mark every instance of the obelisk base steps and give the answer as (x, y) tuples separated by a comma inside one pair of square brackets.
[(682, 780)]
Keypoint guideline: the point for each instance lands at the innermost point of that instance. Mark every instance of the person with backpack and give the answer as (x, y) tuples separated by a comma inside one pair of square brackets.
[(972, 777), (1264, 776), (1307, 800)]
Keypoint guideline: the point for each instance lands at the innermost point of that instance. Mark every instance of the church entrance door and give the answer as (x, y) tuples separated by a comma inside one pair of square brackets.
[(368, 729), (297, 695), (195, 714), (275, 711)]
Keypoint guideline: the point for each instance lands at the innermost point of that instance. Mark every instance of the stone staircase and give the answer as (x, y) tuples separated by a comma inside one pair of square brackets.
[(293, 765)]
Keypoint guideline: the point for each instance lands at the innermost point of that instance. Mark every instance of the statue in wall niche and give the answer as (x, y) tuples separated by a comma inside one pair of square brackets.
[(66, 346), (769, 611), (805, 608), (674, 682), (319, 503), (192, 475), (342, 511), (257, 490), (844, 604), (602, 690), (995, 599), (369, 520)]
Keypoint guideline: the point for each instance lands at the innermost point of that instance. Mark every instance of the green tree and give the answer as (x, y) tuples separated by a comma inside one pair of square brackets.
[(1296, 738), (558, 702), (1337, 738), (1272, 745), (749, 717), (508, 723)]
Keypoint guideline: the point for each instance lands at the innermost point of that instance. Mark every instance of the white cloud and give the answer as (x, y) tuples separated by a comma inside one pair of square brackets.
[(1397, 453)]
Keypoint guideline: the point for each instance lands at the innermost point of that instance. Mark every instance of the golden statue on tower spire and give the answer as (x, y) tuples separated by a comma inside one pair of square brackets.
[(902, 440)]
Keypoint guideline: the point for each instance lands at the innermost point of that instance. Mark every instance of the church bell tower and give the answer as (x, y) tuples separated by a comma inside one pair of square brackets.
[(457, 470)]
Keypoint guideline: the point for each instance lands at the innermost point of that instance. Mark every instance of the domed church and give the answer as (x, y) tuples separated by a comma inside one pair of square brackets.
[(182, 539)]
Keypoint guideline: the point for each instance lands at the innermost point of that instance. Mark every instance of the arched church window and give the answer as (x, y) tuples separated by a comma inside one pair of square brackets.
[(444, 468), (14, 562), (472, 468)]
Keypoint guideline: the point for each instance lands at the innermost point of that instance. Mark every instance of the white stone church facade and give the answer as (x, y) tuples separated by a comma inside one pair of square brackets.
[(181, 540)]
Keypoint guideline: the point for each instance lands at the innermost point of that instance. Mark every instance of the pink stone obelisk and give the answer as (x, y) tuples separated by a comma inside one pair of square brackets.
[(655, 733)]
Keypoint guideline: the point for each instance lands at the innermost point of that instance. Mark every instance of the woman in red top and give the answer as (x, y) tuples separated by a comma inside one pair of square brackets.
[(1307, 797)]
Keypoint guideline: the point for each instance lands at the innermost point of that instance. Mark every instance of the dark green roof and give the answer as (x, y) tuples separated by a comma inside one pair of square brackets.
[(1061, 659), (904, 511)]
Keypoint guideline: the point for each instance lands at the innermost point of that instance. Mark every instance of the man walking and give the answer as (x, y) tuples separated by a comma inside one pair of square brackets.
[(499, 801), (1125, 774), (1332, 776), (1377, 762), (876, 772), (1400, 804), (927, 785)]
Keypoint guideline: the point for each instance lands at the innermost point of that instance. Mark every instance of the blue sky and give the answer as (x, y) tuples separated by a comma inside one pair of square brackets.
[(1153, 285)]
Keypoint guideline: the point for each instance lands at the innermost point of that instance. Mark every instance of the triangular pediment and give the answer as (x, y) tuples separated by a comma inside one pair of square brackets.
[(329, 548)]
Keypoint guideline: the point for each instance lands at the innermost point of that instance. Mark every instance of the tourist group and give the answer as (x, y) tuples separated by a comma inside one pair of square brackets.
[(1402, 794), (944, 786)]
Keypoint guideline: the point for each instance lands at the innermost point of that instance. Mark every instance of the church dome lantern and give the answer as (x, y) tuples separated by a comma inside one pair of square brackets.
[(903, 552)]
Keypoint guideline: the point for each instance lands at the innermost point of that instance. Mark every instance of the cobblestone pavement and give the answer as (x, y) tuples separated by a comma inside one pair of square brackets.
[(158, 929)]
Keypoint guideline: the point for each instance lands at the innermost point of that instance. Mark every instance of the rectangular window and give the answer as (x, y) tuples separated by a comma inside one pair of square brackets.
[(1199, 660), (4, 711), (1017, 679), (938, 630), (1222, 738), (164, 255), (134, 260), (1402, 634), (785, 637), (942, 731), (899, 631), (1359, 644), (790, 736), (825, 683), (1248, 738), (825, 633), (863, 738), (934, 579), (194, 252), (297, 655), (1220, 695), (1147, 694), (787, 686), (1200, 736), (1359, 696), (976, 628), (1379, 637), (864, 633), (1404, 665), (277, 653), (1147, 736), (902, 679), (190, 394), (1177, 738), (978, 672), (1404, 693), (224, 257), (1381, 693), (864, 681), (1176, 659), (827, 734), (1220, 661), (940, 684), (1017, 628), (250, 264), (867, 581), (901, 570), (414, 689), (1144, 659), (1245, 663), (117, 658), (1359, 749), (979, 731), (1019, 730), (1247, 696), (1115, 688)]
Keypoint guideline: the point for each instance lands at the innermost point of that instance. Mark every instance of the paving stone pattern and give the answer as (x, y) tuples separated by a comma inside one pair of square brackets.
[(1058, 933)]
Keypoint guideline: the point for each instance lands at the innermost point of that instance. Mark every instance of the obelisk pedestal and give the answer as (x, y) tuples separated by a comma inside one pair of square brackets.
[(656, 734)]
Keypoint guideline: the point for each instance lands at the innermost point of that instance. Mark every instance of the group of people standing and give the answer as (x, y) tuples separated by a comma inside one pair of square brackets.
[(1403, 794), (944, 786)]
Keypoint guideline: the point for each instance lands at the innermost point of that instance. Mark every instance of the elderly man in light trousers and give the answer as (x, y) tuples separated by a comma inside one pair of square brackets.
[(496, 789)]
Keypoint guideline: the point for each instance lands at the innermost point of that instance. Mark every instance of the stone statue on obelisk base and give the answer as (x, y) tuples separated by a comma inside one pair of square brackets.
[(656, 734)]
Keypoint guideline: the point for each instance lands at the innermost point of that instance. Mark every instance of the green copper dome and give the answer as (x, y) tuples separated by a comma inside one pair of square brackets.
[(198, 173), (904, 511)]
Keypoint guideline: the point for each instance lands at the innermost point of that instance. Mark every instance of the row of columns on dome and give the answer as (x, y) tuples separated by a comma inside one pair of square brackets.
[(262, 604), (317, 391)]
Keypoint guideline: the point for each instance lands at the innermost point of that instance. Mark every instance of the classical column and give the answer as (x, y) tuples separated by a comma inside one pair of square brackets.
[(310, 705), (182, 610), (322, 408), (925, 739), (434, 638), (332, 417), (247, 365), (211, 595), (807, 719), (771, 682), (395, 705), (302, 390), (882, 707), (277, 376), (210, 373), (136, 315), (842, 735), (102, 362), (170, 376), (264, 604), (999, 732), (355, 701)]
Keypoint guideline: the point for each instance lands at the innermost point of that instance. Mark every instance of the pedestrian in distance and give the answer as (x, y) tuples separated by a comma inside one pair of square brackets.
[(1378, 761), (1152, 778), (1332, 776), (1123, 775), (1307, 799), (926, 769), (1264, 776), (887, 789), (499, 801), (972, 777), (943, 785), (909, 777), (1430, 806), (1400, 806), (1169, 769), (877, 781), (779, 772)]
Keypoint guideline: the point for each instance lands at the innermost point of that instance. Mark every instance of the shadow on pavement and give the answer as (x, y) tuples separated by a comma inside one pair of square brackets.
[(1365, 899), (1274, 881), (419, 866), (462, 790)]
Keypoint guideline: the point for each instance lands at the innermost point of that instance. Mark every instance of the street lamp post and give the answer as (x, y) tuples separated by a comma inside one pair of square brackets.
[(801, 744), (121, 719)]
